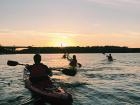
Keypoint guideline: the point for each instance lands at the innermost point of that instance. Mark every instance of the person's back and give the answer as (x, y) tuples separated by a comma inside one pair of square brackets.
[(110, 58), (73, 62), (39, 71)]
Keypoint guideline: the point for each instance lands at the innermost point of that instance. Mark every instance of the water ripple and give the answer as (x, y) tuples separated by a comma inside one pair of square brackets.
[(98, 82)]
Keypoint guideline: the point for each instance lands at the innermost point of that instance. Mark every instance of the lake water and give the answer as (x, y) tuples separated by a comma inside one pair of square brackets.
[(98, 82)]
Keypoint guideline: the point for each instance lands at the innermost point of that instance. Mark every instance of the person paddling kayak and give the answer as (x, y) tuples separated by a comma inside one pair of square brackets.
[(39, 72), (37, 79), (73, 61), (110, 58)]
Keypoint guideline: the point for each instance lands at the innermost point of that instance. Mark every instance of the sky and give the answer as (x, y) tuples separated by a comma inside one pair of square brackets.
[(70, 22)]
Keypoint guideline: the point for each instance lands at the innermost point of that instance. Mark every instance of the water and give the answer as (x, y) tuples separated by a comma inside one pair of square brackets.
[(98, 82)]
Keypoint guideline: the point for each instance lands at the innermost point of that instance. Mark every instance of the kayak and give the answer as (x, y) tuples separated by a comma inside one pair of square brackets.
[(53, 95), (71, 71), (110, 59)]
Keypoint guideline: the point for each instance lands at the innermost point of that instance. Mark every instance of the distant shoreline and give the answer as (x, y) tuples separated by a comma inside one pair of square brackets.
[(59, 50)]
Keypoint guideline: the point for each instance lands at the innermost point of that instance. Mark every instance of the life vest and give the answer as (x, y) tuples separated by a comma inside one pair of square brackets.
[(73, 63), (39, 70), (110, 58)]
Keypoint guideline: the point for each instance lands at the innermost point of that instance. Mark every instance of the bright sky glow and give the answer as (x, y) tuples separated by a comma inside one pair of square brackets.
[(70, 22)]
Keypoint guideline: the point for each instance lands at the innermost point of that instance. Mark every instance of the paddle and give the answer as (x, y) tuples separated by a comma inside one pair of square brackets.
[(68, 58), (79, 64), (107, 57), (64, 56), (14, 63), (66, 71), (105, 54)]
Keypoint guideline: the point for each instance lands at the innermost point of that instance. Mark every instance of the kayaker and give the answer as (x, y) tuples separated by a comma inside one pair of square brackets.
[(110, 58), (64, 56), (73, 61), (39, 72)]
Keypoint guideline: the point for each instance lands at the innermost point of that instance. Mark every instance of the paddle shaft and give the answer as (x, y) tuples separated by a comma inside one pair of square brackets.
[(63, 70)]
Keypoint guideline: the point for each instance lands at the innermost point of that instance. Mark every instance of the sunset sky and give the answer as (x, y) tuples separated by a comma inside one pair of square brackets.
[(70, 22)]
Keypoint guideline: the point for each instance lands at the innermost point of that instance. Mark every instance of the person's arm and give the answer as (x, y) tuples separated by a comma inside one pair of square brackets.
[(69, 58), (28, 67), (107, 56), (49, 71)]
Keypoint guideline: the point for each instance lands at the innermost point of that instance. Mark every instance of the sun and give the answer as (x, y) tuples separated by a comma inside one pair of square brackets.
[(65, 43), (62, 44), (60, 40)]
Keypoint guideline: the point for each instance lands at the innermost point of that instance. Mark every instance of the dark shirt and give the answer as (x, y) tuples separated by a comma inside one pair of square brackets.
[(73, 63), (39, 72), (110, 58)]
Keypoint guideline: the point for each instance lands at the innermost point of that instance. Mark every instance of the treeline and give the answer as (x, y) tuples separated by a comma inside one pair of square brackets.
[(95, 49), (5, 51)]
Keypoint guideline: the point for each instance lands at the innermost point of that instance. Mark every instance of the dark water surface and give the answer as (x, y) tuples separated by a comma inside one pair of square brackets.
[(98, 82)]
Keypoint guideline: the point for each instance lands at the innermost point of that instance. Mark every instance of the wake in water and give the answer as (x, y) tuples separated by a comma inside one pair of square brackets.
[(98, 82)]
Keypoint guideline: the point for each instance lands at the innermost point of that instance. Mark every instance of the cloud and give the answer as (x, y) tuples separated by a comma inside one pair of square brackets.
[(117, 2), (6, 33)]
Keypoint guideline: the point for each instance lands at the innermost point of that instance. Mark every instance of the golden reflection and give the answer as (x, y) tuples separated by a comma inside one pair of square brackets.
[(60, 77)]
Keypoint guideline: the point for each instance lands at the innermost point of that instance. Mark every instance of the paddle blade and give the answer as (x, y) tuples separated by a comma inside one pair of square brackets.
[(79, 65), (12, 63)]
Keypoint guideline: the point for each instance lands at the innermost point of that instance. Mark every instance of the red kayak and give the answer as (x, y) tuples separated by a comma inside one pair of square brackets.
[(54, 96)]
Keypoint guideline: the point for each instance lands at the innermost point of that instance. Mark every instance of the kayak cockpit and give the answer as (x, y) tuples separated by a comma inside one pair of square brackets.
[(53, 95)]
